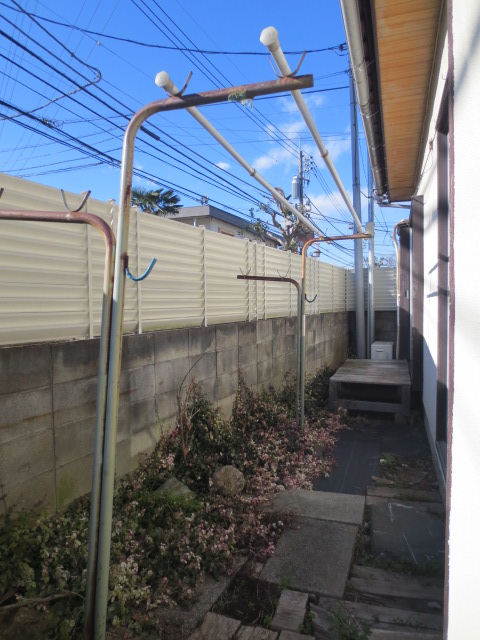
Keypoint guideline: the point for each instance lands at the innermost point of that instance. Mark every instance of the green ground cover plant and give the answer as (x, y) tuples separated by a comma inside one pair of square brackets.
[(163, 546)]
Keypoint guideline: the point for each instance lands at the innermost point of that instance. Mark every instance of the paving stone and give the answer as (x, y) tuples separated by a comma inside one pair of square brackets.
[(293, 635), (216, 627), (320, 505), (315, 557), (256, 633), (290, 611), (181, 622), (407, 533)]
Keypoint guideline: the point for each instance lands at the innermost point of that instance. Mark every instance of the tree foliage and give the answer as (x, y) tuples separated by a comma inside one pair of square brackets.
[(158, 202), (292, 231)]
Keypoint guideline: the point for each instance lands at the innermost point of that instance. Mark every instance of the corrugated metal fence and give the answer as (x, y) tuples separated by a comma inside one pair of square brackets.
[(51, 274)]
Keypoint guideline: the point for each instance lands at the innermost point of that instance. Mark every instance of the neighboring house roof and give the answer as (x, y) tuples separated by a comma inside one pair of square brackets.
[(399, 42), (208, 211)]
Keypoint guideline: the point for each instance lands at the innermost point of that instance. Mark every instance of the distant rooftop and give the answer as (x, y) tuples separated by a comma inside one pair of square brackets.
[(209, 211)]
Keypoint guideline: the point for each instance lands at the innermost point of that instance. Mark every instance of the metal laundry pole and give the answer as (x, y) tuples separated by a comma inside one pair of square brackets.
[(354, 236), (299, 303), (98, 578), (78, 217)]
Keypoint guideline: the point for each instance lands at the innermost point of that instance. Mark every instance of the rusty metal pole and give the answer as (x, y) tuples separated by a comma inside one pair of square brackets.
[(354, 236), (77, 217), (299, 297), (115, 351)]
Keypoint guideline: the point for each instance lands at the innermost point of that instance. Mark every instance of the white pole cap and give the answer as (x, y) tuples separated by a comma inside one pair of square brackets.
[(269, 37), (162, 80)]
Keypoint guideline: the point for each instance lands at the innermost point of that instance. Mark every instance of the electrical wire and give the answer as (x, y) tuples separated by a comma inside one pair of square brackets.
[(240, 192), (338, 47), (120, 115), (182, 32), (105, 104)]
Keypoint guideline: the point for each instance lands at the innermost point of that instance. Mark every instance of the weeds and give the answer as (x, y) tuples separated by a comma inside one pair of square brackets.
[(306, 628), (344, 625)]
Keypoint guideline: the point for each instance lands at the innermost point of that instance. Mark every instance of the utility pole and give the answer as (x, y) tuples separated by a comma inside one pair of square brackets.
[(300, 175), (359, 289)]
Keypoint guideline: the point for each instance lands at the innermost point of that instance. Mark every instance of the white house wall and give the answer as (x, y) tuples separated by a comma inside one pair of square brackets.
[(428, 188), (464, 522)]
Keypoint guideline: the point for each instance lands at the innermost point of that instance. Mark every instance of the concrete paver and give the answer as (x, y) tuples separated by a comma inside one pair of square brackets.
[(216, 627), (320, 505), (293, 635), (315, 557), (290, 612)]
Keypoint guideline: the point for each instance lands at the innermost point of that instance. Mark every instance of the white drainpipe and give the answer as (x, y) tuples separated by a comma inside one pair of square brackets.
[(402, 223), (163, 80), (353, 30), (269, 37)]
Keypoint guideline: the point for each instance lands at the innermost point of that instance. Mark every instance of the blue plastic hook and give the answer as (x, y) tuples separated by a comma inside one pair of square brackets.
[(142, 277), (312, 300)]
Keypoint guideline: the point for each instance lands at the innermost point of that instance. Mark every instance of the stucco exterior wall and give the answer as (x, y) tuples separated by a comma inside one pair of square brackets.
[(48, 395)]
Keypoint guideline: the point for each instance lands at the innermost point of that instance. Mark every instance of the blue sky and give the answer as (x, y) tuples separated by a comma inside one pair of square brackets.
[(69, 89)]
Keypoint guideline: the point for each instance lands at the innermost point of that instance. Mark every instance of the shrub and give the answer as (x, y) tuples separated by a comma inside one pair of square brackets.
[(161, 546)]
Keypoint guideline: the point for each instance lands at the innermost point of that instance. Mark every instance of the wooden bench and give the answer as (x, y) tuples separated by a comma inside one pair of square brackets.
[(372, 385)]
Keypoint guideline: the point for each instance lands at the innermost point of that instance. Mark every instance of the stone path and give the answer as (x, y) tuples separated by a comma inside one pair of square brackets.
[(314, 554), (216, 627), (313, 557)]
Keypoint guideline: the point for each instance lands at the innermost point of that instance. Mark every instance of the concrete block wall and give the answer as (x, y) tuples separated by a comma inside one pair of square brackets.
[(48, 395)]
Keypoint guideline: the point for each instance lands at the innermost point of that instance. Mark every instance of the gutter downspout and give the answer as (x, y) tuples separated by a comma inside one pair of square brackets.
[(358, 246), (353, 31), (163, 80), (306, 246), (269, 37), (402, 223), (370, 226)]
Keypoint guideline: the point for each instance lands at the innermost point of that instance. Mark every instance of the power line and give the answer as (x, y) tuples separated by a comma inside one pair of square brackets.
[(104, 154), (204, 70), (217, 176), (99, 99), (338, 47)]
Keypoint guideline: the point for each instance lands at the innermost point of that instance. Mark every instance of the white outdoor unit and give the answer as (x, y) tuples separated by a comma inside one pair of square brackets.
[(382, 351)]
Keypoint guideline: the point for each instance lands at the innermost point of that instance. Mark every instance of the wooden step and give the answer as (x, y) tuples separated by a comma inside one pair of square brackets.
[(369, 580), (290, 612), (401, 493), (412, 634), (389, 618)]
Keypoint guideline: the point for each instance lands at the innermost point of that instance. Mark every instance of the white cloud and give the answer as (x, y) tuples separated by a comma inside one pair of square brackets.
[(278, 155), (223, 165), (326, 204), (288, 105), (314, 101), (337, 147)]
